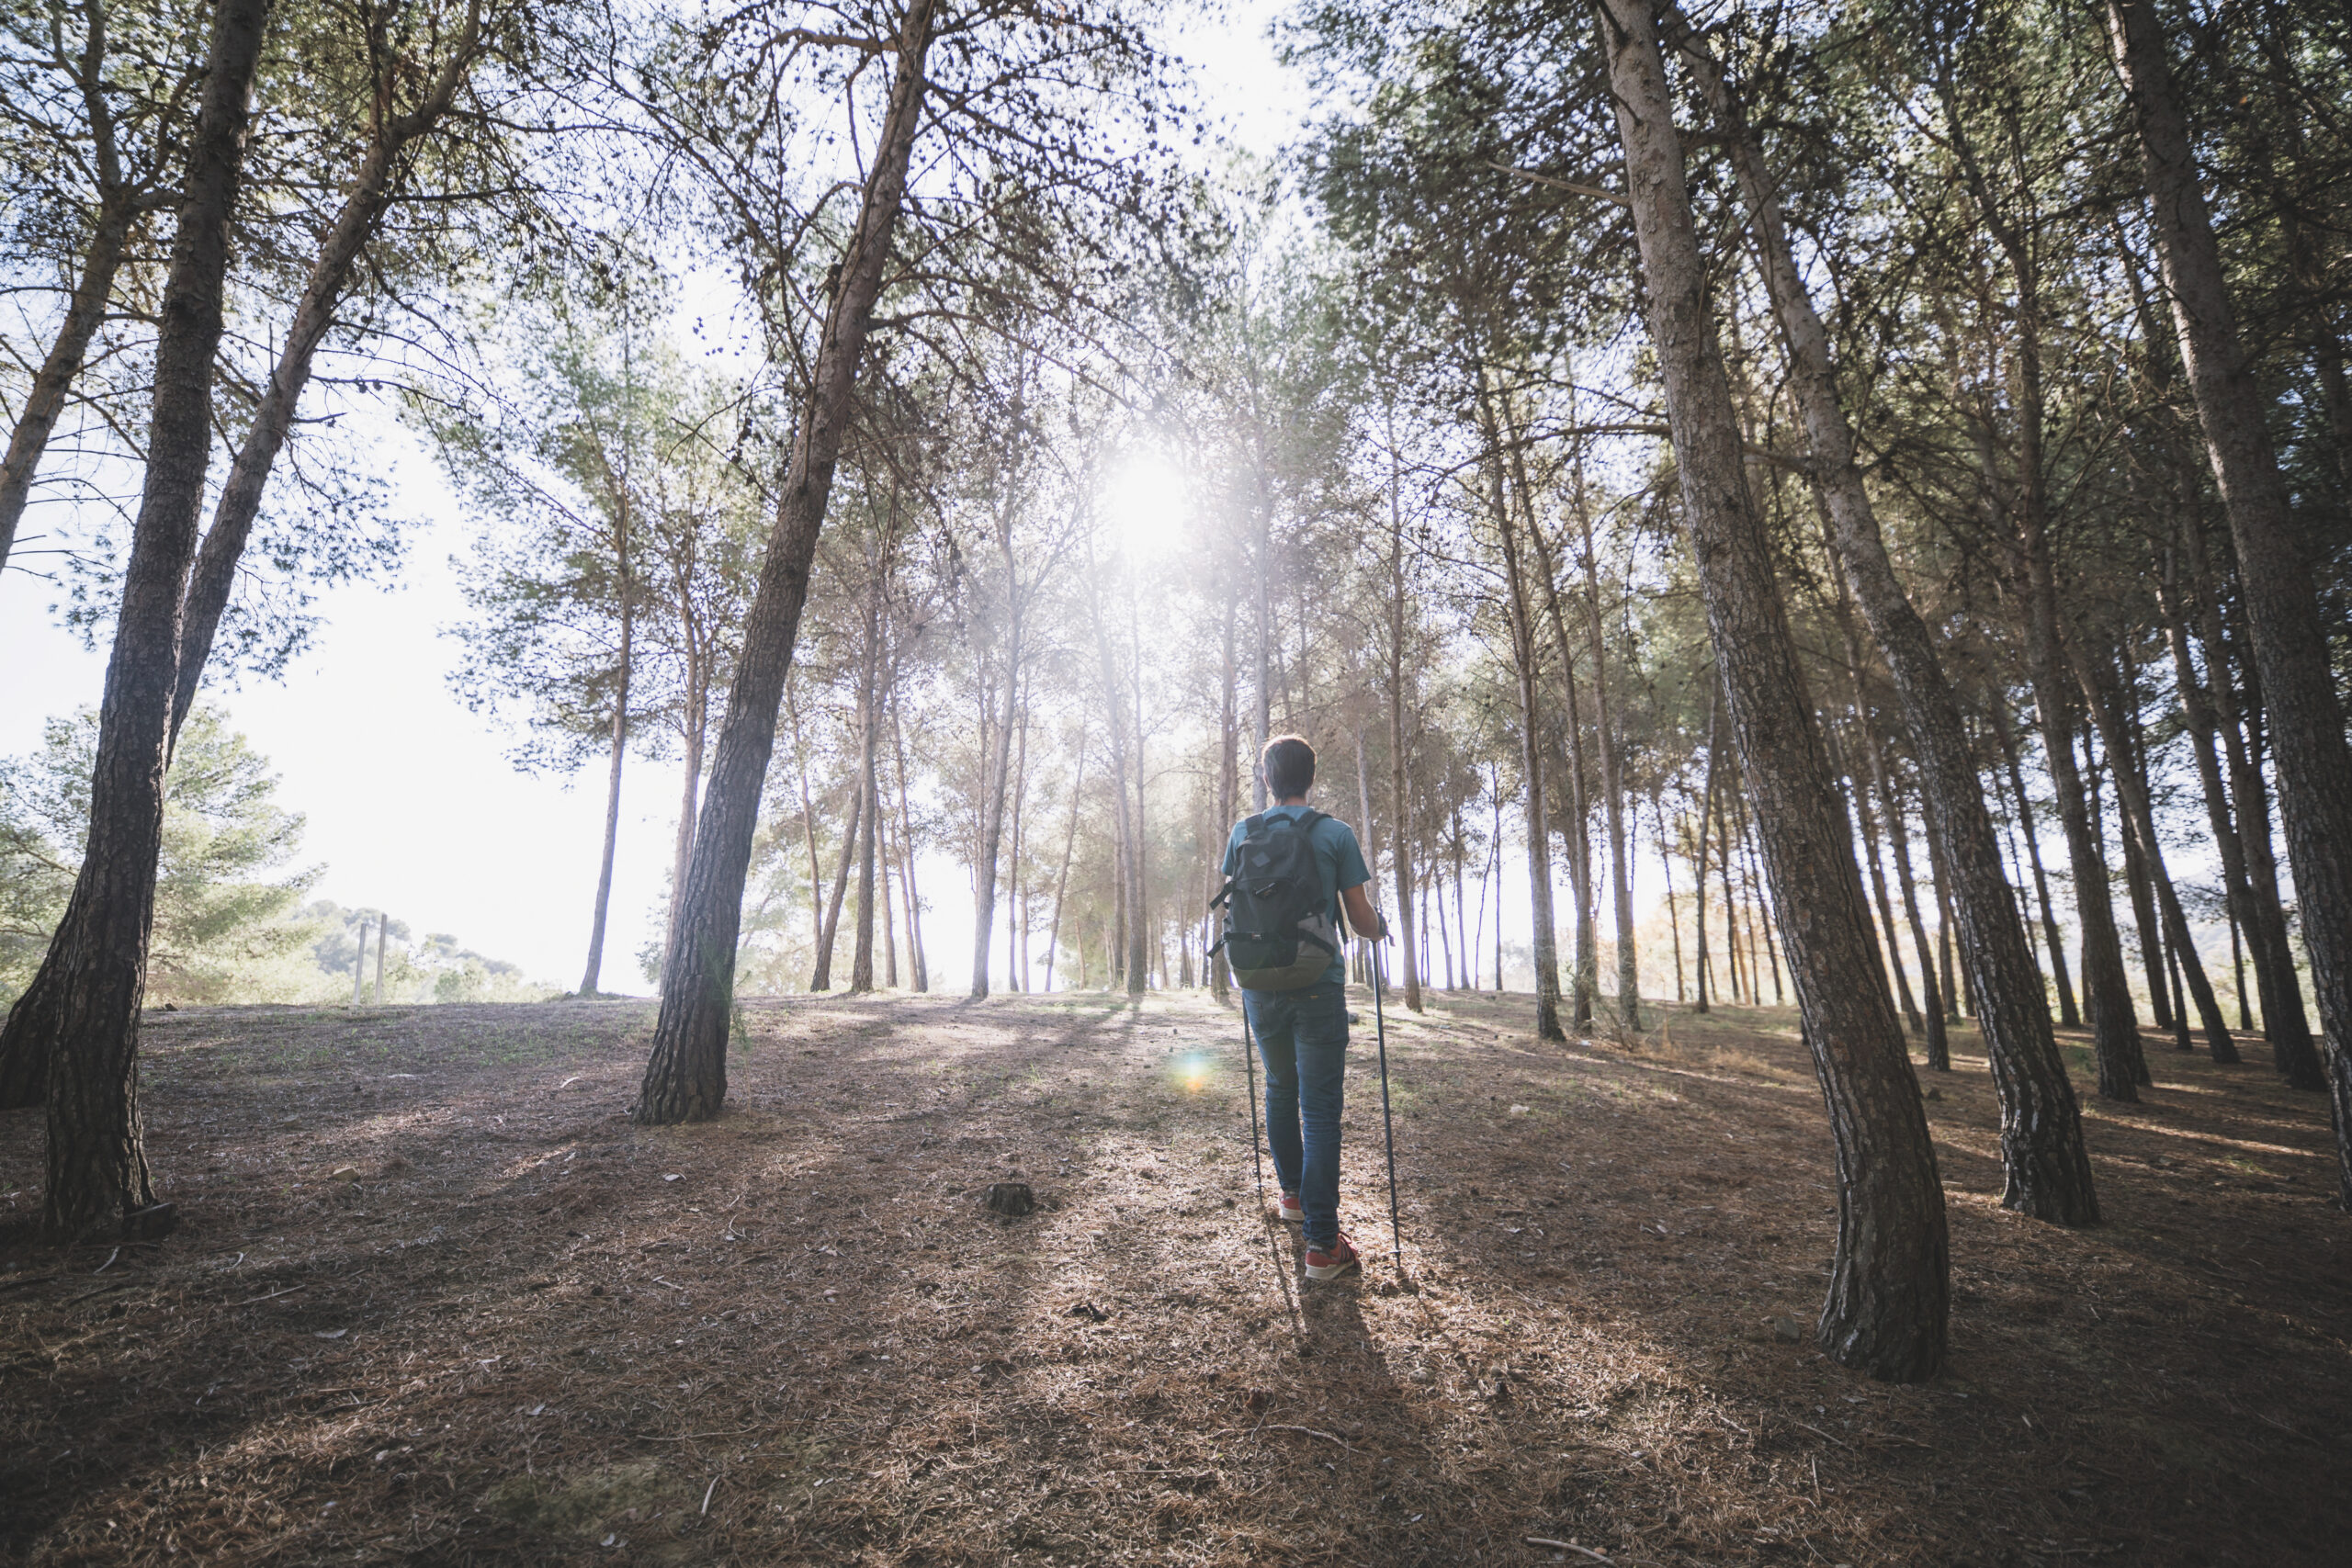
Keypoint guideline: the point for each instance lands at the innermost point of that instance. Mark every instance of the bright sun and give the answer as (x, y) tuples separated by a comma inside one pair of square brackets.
[(1146, 505)]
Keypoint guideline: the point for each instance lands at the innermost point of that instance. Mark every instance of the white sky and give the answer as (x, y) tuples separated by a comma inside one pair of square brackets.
[(411, 804)]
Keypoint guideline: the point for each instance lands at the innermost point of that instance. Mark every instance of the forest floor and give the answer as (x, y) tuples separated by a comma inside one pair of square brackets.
[(435, 1301)]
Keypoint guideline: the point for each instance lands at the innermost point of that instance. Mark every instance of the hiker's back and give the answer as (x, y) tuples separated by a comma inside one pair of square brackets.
[(1282, 922)]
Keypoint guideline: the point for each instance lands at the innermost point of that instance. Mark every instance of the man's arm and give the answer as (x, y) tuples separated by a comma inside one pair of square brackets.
[(1361, 914)]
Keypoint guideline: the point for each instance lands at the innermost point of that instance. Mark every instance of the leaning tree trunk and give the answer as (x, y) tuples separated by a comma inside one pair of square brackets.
[(82, 1008), (119, 210), (1888, 1306), (829, 927), (592, 976), (2046, 1167), (391, 155), (685, 1077), (2275, 576), (213, 573)]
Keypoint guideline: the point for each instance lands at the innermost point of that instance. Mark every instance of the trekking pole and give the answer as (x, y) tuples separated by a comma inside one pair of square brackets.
[(1387, 1122), (1250, 1071)]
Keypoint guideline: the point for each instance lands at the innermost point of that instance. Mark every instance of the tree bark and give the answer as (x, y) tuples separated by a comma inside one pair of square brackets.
[(82, 1008), (685, 1079), (1888, 1306)]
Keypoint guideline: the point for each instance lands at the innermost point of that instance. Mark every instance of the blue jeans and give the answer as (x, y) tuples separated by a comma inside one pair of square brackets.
[(1302, 1040)]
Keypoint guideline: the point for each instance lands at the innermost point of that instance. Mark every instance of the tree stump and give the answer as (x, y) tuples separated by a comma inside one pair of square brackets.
[(1010, 1199)]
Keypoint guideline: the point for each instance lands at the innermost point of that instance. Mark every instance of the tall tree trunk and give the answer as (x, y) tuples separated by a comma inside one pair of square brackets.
[(869, 795), (2046, 1168), (996, 754), (1400, 810), (696, 730), (1061, 879), (2197, 715), (1899, 838), (905, 840), (887, 870), (1016, 940), (1724, 855), (1613, 780), (1125, 957), (592, 978), (81, 1009), (1543, 948), (685, 1079), (2109, 712), (1369, 975), (2069, 1016), (1888, 1306), (1469, 976), (1227, 778), (1866, 819), (2274, 577), (1579, 842), (1765, 915), (2106, 989), (1140, 926), (1705, 971), (1673, 919)]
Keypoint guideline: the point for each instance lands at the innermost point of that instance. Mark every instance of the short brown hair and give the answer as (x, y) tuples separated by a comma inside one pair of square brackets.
[(1288, 764)]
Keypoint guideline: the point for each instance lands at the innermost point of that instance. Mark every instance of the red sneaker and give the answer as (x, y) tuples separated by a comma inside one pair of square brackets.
[(1330, 1262), (1288, 1210)]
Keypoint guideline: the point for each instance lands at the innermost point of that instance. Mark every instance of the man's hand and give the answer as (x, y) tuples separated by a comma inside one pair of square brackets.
[(1366, 919)]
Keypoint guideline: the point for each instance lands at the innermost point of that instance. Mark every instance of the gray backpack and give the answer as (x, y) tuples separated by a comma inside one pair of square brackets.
[(1280, 935)]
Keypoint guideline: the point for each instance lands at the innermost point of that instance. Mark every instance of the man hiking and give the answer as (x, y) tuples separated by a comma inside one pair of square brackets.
[(1291, 870)]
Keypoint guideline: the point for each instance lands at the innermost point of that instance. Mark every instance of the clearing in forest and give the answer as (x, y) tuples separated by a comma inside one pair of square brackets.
[(436, 1301)]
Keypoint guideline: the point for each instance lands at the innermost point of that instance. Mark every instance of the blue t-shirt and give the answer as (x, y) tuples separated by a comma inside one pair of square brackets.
[(1338, 858)]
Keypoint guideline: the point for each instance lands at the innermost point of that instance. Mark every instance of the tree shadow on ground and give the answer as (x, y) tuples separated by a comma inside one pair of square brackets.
[(792, 1336)]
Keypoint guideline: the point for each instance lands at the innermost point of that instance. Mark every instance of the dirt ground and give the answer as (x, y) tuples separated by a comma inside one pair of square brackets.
[(435, 1301)]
